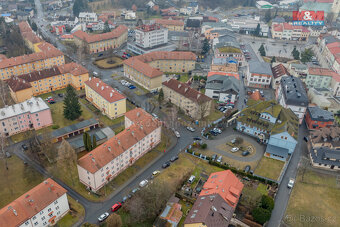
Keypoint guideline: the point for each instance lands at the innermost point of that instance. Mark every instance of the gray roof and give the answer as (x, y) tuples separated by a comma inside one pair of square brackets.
[(293, 91), (74, 127), (227, 37), (78, 141), (260, 67), (180, 34), (278, 20), (280, 151), (223, 61), (322, 155), (330, 39), (299, 66), (318, 114), (214, 24), (223, 83)]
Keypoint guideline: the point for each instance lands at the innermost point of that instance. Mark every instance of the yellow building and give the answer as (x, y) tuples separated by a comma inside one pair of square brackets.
[(171, 25), (25, 86), (105, 98), (102, 42), (192, 102), (147, 69)]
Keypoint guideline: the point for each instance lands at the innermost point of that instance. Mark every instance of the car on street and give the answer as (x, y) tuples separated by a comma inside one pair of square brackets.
[(191, 129), (116, 207), (291, 183), (305, 138), (143, 183), (155, 173), (132, 86), (213, 157), (197, 138), (124, 199), (219, 159), (174, 158), (212, 132), (245, 153), (60, 95), (177, 134), (166, 164), (247, 168), (24, 146), (99, 55), (234, 149), (219, 131), (135, 190), (103, 216)]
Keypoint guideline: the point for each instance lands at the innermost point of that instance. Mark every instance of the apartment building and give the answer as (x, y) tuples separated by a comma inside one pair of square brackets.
[(148, 36), (228, 49), (192, 102), (142, 133), (46, 56), (217, 201), (259, 75), (292, 94), (319, 77), (288, 31), (102, 42), (35, 83), (43, 205), (317, 118), (278, 71), (170, 24), (147, 69), (86, 17), (30, 38), (105, 98)]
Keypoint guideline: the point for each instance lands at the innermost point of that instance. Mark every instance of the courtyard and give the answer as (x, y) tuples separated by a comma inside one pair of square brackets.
[(109, 62)]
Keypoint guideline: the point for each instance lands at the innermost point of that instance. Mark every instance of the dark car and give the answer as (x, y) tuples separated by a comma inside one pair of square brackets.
[(197, 138), (132, 87), (24, 147), (174, 158), (99, 55), (212, 132), (166, 165), (245, 153), (60, 95), (213, 157), (305, 138), (247, 169)]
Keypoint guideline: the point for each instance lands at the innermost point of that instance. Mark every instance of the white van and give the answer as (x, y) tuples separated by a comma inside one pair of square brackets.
[(191, 179), (95, 73), (143, 183)]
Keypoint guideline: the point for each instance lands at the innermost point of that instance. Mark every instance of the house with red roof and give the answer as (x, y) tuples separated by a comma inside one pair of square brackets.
[(288, 31)]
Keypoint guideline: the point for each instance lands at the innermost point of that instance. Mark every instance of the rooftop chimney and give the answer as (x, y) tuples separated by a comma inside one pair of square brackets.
[(110, 94), (102, 88), (97, 84)]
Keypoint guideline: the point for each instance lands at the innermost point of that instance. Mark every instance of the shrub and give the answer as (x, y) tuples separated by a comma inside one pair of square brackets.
[(55, 126), (267, 202), (204, 146), (261, 215)]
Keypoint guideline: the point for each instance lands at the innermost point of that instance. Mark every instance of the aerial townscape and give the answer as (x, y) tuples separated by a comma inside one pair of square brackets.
[(169, 113)]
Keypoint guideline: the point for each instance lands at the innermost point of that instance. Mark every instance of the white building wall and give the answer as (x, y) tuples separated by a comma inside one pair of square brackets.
[(151, 38)]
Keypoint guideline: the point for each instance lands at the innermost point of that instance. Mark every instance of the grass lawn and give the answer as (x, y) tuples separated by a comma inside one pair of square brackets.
[(108, 122), (138, 92), (58, 117), (17, 180), (184, 77), (314, 200), (250, 196), (125, 219), (22, 136), (118, 129), (213, 116), (104, 64), (53, 94), (262, 188), (89, 105), (76, 212), (186, 207), (269, 168)]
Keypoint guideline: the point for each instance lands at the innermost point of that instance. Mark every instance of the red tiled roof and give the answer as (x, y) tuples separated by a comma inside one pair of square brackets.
[(108, 93), (27, 32), (236, 75), (336, 77), (169, 22), (139, 63), (106, 152), (117, 32), (277, 27), (279, 70), (186, 91), (331, 45), (30, 203), (321, 71), (334, 50)]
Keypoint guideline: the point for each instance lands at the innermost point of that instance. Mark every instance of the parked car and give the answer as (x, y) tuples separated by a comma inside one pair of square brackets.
[(95, 74), (291, 183), (166, 165), (143, 183), (213, 157), (154, 115), (155, 173), (177, 134), (124, 199), (99, 55), (103, 216), (219, 131), (305, 138), (234, 149), (51, 101), (233, 141), (8, 155), (247, 168), (212, 132), (132, 86), (219, 160), (60, 95), (191, 129), (191, 179), (197, 138), (245, 153), (116, 207), (174, 158), (135, 190), (24, 147)]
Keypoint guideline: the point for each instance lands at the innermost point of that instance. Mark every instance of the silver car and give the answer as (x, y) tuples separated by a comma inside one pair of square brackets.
[(103, 216)]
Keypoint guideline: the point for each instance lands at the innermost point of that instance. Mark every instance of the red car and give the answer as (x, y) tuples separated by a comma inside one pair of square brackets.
[(125, 53), (116, 207)]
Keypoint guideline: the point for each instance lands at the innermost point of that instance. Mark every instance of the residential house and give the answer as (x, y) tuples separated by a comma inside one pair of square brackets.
[(318, 118), (259, 75), (43, 205), (319, 77), (217, 201), (224, 89), (35, 83), (324, 157), (229, 64), (228, 49), (86, 17), (292, 94), (105, 98), (170, 24), (147, 69), (271, 124), (148, 36), (28, 115), (192, 102), (102, 42), (287, 31), (141, 134), (325, 137), (298, 70), (335, 85), (171, 215), (278, 71)]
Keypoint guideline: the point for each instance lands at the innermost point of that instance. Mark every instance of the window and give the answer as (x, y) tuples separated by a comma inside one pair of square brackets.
[(41, 212), (36, 223), (57, 208), (43, 218), (34, 218), (49, 209)]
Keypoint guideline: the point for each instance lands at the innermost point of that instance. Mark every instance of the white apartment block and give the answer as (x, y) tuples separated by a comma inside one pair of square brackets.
[(87, 17), (142, 133), (148, 36), (44, 205)]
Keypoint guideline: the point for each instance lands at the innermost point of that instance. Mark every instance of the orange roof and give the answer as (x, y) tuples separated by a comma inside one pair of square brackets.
[(2, 57), (321, 71), (117, 32), (27, 32), (30, 203), (334, 50), (336, 77), (277, 27), (236, 75), (335, 44), (175, 213), (169, 22), (224, 183), (106, 152), (47, 51), (256, 95), (139, 63), (108, 93)]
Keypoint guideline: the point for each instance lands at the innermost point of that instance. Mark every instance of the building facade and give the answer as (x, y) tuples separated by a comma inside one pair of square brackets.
[(318, 118), (259, 75), (98, 167), (319, 77), (101, 42), (31, 114), (229, 64), (105, 98), (43, 205), (147, 70), (192, 102), (170, 24), (287, 31), (148, 36), (35, 83), (86, 17)]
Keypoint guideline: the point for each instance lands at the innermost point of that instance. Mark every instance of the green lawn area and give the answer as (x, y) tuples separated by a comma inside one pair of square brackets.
[(53, 94), (269, 168), (250, 196), (58, 117), (262, 188), (314, 200), (126, 217), (107, 121), (23, 135), (17, 180), (118, 129), (213, 116), (184, 77), (186, 207), (76, 212)]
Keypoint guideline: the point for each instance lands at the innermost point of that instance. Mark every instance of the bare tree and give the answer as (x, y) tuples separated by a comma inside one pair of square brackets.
[(47, 148), (204, 108), (67, 160), (4, 158)]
